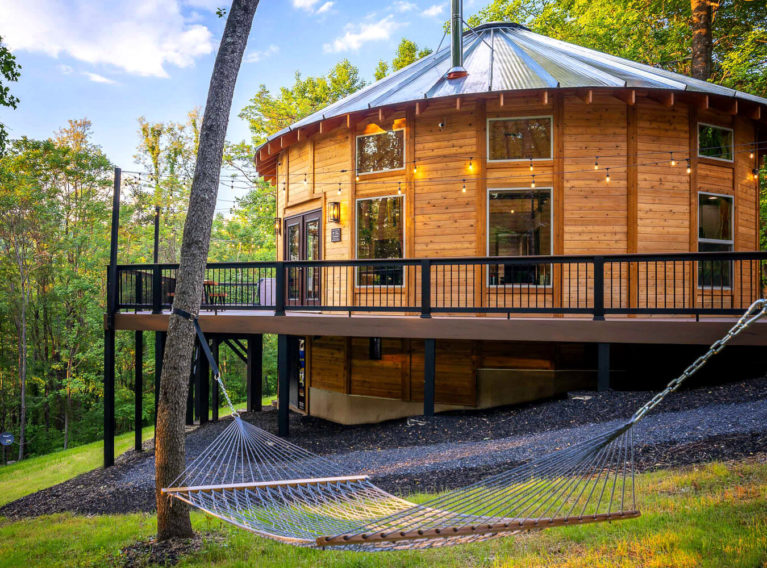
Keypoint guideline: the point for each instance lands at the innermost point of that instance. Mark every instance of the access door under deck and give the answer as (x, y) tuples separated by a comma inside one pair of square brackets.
[(302, 242)]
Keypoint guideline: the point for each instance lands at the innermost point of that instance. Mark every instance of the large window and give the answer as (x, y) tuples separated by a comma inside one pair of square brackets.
[(714, 142), (380, 235), (519, 138), (714, 235), (381, 152), (519, 224)]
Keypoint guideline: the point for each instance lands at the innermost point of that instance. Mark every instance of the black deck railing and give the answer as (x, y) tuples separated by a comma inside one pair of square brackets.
[(688, 283)]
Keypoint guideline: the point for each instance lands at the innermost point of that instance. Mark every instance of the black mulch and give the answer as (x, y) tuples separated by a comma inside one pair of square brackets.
[(128, 486), (163, 553)]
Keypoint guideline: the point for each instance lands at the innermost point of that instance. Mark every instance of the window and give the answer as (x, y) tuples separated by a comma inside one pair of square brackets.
[(380, 234), (714, 235), (519, 224), (519, 138), (714, 142), (381, 152)]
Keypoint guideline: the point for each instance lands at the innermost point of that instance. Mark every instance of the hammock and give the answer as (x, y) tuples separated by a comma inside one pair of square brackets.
[(275, 489)]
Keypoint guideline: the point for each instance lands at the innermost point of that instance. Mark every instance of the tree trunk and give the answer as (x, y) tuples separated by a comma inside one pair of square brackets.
[(170, 459), (23, 371), (702, 43)]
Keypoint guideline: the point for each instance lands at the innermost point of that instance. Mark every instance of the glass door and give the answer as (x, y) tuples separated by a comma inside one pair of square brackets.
[(302, 242)]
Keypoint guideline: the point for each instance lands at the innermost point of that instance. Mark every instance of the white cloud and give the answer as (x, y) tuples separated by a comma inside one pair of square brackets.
[(65, 69), (325, 7), (140, 37), (356, 35), (402, 6), (433, 11), (256, 56), (307, 5), (96, 78), (209, 5)]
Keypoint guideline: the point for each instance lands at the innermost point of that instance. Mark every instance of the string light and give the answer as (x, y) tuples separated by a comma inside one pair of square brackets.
[(689, 169), (471, 164), (357, 177), (751, 155), (339, 188), (415, 167), (463, 189), (531, 164), (596, 163), (532, 183), (607, 175), (305, 180), (673, 161), (754, 173), (399, 187)]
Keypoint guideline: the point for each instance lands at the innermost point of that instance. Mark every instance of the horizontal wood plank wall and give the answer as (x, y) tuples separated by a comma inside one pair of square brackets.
[(384, 377), (455, 381), (300, 160), (329, 363), (745, 187)]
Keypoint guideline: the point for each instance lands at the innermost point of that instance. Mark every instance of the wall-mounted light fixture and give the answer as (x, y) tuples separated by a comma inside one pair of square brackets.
[(277, 225), (334, 212), (376, 349)]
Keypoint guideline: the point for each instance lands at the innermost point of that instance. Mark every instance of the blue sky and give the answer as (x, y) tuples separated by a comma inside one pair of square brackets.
[(113, 61)]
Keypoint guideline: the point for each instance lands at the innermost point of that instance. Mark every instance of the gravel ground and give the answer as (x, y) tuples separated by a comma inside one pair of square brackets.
[(450, 450)]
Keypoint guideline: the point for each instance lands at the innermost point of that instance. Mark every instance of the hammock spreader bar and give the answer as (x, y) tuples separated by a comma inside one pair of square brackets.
[(273, 488)]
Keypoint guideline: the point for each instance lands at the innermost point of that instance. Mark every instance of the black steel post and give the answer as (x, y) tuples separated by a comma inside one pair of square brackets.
[(599, 288), (159, 353), (156, 252), (214, 403), (156, 289), (283, 394), (138, 387), (202, 396), (426, 288), (109, 332), (603, 366), (429, 373), (279, 289), (255, 372)]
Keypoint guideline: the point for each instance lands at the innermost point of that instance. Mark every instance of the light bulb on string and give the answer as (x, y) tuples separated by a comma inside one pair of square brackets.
[(339, 188), (471, 164), (399, 188), (596, 163), (532, 183), (306, 181), (751, 155), (357, 177), (689, 169), (415, 168), (607, 175), (463, 189), (673, 161), (531, 164)]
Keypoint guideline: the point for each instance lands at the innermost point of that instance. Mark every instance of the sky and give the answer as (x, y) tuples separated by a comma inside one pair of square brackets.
[(114, 61)]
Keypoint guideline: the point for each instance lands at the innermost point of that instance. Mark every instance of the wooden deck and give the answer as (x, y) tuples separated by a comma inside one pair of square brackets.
[(678, 330)]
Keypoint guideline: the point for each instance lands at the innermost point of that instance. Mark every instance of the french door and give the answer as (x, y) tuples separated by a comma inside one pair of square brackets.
[(302, 242)]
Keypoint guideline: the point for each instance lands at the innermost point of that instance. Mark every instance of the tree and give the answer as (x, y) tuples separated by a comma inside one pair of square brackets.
[(267, 114), (702, 44), (407, 52), (170, 453), (10, 71)]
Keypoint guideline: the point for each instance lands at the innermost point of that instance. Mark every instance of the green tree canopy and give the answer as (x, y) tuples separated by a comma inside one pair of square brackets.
[(267, 113), (10, 71), (407, 52)]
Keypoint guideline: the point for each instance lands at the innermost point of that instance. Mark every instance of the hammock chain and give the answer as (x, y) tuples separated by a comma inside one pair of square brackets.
[(754, 312)]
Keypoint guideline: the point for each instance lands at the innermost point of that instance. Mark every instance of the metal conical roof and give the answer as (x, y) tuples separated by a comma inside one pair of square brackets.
[(509, 57)]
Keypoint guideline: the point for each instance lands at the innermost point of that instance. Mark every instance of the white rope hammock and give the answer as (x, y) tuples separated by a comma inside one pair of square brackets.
[(273, 488)]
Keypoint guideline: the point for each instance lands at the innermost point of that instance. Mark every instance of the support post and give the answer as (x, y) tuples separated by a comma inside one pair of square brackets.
[(109, 332), (599, 288), (426, 288), (159, 353), (109, 397), (255, 372), (603, 366), (202, 396), (283, 394), (190, 391), (279, 289), (138, 387), (214, 343), (429, 373), (156, 252)]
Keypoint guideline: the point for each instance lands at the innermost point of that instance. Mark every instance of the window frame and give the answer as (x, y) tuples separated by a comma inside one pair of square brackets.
[(356, 242), (550, 189), (730, 242), (732, 143), (513, 160), (357, 155)]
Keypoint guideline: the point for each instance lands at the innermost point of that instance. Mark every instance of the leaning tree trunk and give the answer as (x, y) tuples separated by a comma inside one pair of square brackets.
[(702, 43), (173, 521)]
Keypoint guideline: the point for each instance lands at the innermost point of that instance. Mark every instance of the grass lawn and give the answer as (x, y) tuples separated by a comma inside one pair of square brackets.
[(34, 474), (712, 515)]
